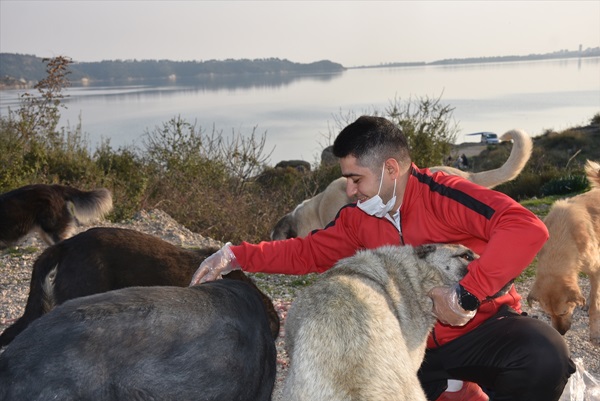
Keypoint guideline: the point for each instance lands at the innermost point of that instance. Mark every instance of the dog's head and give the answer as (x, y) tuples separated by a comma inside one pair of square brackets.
[(286, 227), (449, 259), (558, 300)]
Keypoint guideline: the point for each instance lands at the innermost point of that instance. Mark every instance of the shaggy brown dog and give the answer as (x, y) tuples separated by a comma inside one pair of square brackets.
[(51, 210), (573, 247), (103, 259)]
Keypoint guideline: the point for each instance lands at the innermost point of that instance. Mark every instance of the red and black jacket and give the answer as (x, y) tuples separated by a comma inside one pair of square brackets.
[(436, 208)]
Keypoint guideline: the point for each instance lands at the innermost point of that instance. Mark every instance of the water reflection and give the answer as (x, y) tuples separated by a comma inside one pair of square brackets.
[(207, 83), (297, 111)]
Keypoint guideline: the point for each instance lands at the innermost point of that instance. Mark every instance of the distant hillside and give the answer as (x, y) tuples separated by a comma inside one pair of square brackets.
[(589, 52), (18, 69)]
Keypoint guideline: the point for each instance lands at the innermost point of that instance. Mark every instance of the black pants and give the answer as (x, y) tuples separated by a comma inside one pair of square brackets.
[(513, 357)]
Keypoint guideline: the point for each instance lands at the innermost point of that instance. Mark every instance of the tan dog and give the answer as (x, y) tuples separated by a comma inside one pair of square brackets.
[(318, 211), (573, 247), (313, 213), (359, 332)]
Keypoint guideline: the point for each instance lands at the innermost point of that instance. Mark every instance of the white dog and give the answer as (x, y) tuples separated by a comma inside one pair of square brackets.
[(359, 332)]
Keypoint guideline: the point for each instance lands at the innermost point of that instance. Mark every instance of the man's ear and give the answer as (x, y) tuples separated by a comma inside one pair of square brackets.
[(392, 167)]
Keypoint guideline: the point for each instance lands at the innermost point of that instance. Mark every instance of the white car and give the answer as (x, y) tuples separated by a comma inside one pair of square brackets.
[(489, 138)]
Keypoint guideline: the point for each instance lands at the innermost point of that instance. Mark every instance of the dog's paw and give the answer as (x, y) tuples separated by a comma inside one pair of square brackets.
[(595, 329), (586, 305)]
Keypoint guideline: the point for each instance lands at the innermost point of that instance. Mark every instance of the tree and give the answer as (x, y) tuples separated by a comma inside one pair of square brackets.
[(428, 126), (38, 115)]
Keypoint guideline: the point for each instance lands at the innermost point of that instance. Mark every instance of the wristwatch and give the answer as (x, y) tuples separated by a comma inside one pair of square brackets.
[(466, 300)]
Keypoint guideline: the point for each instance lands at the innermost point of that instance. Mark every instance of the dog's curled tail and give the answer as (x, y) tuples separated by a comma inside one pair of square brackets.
[(519, 155), (592, 170), (88, 205), (41, 292)]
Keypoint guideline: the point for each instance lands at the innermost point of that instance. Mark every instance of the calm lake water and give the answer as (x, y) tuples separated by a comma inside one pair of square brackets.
[(298, 114)]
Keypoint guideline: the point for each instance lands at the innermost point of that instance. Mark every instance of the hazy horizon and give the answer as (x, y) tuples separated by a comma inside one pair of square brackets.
[(308, 62), (352, 33)]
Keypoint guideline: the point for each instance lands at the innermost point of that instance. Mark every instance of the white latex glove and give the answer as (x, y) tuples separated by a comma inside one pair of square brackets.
[(446, 307), (221, 262)]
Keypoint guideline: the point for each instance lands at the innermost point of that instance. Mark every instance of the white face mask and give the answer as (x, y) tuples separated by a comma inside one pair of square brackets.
[(375, 206)]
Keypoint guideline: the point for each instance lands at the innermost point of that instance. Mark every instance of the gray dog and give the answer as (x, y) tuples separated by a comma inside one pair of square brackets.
[(359, 333), (211, 342)]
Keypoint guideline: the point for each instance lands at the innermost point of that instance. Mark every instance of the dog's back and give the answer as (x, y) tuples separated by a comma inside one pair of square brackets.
[(51, 210), (359, 332)]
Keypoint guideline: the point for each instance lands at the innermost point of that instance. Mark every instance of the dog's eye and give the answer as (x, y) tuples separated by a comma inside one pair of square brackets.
[(467, 256)]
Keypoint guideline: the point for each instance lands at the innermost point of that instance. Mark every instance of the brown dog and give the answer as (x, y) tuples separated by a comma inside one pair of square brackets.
[(51, 210), (573, 247), (102, 259)]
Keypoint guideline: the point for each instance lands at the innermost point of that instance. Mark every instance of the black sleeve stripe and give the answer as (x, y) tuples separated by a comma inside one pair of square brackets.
[(456, 195), (331, 223)]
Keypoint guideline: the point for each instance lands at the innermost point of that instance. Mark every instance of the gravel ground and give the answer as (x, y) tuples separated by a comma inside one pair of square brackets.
[(16, 263)]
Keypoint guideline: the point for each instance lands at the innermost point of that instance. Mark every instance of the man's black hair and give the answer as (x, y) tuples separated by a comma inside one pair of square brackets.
[(368, 135)]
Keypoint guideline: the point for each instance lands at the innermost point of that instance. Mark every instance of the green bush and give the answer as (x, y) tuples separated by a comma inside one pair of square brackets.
[(427, 123), (125, 174), (565, 185), (428, 126)]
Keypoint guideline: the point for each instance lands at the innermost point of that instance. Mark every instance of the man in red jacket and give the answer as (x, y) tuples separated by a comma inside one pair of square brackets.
[(481, 338)]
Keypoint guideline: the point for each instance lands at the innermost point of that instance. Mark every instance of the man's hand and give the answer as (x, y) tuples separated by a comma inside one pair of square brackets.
[(446, 307), (221, 262)]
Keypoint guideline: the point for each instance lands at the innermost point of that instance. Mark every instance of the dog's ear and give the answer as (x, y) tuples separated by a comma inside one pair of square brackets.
[(574, 295), (423, 250), (286, 227)]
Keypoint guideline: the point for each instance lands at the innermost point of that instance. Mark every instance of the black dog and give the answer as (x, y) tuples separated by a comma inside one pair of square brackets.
[(211, 342), (103, 259), (51, 210)]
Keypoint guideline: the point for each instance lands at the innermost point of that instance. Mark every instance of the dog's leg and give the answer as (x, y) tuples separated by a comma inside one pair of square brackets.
[(594, 308), (48, 237), (56, 234)]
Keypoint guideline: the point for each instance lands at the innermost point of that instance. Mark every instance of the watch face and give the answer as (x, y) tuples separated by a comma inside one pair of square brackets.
[(467, 300)]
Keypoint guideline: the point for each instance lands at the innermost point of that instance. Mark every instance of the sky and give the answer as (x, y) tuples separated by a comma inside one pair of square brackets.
[(351, 33)]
